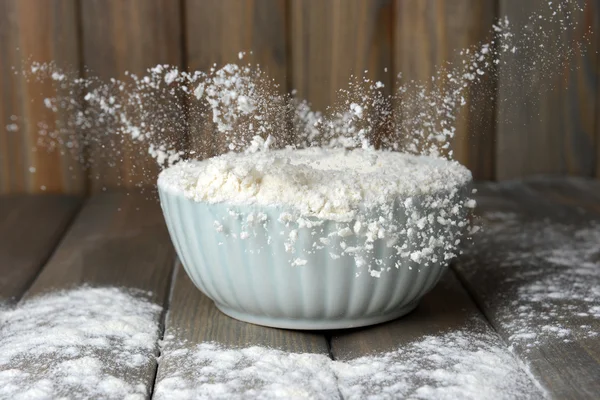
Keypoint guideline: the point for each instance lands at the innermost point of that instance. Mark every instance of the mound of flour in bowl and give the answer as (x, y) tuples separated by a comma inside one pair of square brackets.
[(364, 204), (333, 184)]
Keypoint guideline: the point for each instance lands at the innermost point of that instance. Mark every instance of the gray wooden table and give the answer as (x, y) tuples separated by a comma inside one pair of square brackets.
[(119, 239)]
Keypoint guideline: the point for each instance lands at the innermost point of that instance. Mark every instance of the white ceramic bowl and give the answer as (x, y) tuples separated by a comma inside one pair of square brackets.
[(252, 279)]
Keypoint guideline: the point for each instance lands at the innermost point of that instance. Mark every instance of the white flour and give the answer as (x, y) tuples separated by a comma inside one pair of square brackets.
[(450, 366), (316, 182), (209, 371), (555, 276), (415, 205), (82, 343), (78, 344)]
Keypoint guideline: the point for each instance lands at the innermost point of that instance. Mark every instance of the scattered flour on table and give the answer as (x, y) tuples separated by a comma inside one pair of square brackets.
[(556, 271), (449, 366), (81, 343), (78, 344), (208, 371)]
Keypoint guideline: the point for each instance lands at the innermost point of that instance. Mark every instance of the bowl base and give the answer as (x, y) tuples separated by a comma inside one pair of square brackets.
[(316, 324)]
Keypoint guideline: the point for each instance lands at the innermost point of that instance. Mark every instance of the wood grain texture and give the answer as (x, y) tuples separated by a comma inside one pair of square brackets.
[(216, 31), (331, 40), (120, 36), (582, 194), (31, 226), (596, 22), (445, 309), (446, 316), (193, 319), (533, 272), (546, 107), (427, 35), (118, 240), (34, 31), (591, 187)]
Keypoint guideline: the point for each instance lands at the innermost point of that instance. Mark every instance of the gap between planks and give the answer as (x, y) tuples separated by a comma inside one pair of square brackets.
[(118, 240), (566, 370), (162, 322)]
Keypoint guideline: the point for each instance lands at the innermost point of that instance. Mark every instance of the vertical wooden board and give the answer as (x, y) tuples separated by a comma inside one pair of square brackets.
[(598, 144), (193, 320), (37, 31), (430, 33), (216, 31), (127, 36), (533, 272), (597, 72), (332, 40), (546, 112), (31, 226)]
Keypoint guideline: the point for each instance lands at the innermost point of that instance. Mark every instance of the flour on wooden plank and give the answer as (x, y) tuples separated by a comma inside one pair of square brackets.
[(458, 364), (86, 343)]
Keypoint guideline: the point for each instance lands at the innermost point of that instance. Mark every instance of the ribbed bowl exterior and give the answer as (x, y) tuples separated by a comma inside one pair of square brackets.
[(252, 279)]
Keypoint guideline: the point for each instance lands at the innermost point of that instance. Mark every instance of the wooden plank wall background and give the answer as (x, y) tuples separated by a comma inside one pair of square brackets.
[(312, 46)]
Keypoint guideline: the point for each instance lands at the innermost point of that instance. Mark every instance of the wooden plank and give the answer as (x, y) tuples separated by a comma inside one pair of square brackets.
[(121, 36), (217, 30), (581, 193), (30, 228), (534, 272), (331, 40), (118, 240), (546, 110), (591, 187), (193, 319), (596, 36), (446, 308), (428, 34), (35, 31), (446, 319)]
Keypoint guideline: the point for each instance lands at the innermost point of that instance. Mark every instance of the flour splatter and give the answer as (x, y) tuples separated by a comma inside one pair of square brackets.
[(79, 343), (211, 371), (458, 364), (553, 273)]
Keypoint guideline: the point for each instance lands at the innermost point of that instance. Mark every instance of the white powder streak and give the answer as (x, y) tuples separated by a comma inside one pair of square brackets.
[(555, 275), (78, 344), (459, 364), (81, 343)]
